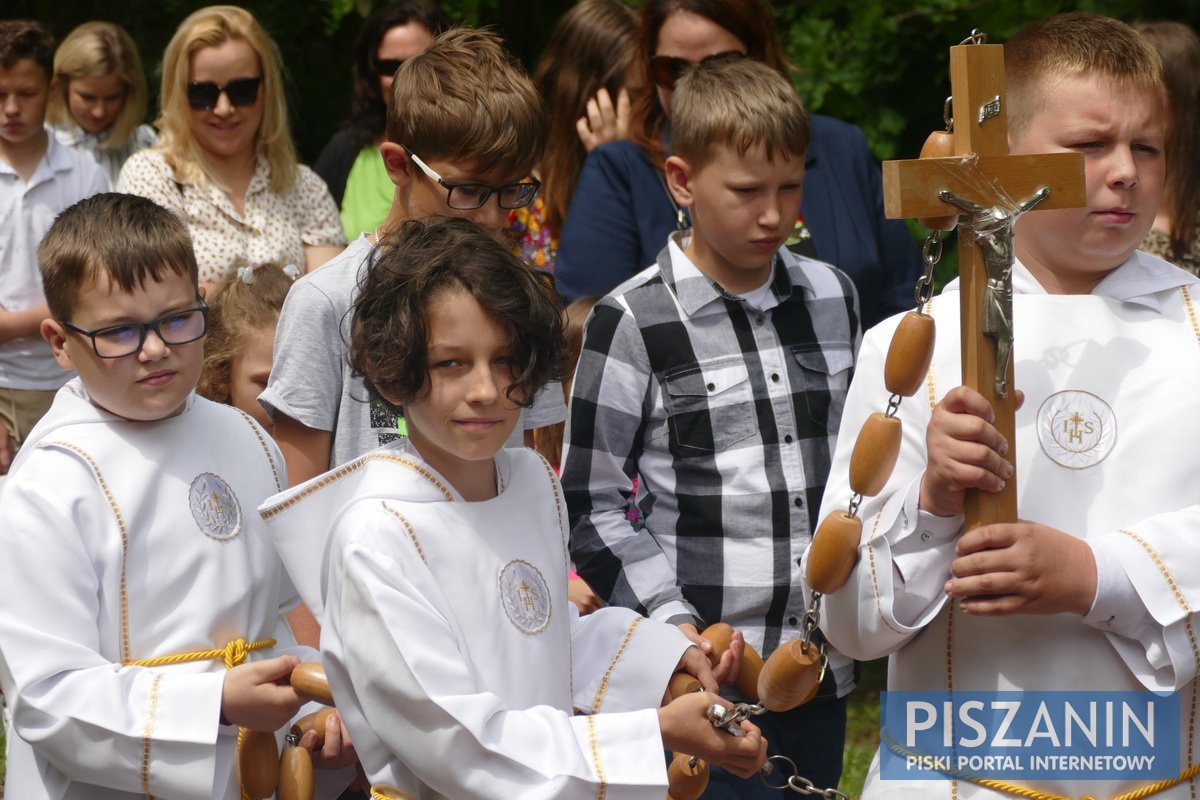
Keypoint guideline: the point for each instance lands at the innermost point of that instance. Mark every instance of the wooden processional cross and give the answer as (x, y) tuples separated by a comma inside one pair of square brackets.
[(947, 186)]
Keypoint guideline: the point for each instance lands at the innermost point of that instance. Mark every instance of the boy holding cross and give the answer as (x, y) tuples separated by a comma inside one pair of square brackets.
[(1093, 589)]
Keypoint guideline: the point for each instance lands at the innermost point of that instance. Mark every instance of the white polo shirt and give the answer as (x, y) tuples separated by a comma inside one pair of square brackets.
[(64, 177)]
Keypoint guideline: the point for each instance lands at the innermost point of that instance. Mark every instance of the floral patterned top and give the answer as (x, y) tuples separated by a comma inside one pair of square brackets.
[(531, 237), (274, 228)]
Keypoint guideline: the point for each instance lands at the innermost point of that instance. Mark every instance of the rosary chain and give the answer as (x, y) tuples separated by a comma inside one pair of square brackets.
[(797, 783)]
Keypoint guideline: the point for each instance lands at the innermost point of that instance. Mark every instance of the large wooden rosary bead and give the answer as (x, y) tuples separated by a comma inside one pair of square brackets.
[(258, 763), (309, 681), (939, 144), (790, 677), (682, 683), (312, 722), (833, 552), (686, 778), (720, 634), (874, 455), (296, 774), (909, 354)]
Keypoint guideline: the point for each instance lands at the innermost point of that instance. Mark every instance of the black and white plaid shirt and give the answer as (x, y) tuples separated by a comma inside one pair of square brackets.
[(727, 409)]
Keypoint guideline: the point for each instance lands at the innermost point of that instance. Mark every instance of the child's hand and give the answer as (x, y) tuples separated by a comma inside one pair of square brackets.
[(579, 593), (1022, 568), (695, 663), (256, 695), (686, 729), (603, 123), (726, 669), (965, 452), (331, 748)]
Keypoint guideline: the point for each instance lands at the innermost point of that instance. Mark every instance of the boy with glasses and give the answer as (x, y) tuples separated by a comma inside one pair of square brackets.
[(141, 623), (464, 129), (38, 178)]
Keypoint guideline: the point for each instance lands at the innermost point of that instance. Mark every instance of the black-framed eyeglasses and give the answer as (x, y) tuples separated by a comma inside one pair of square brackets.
[(387, 66), (469, 196), (666, 70), (203, 96), (118, 341)]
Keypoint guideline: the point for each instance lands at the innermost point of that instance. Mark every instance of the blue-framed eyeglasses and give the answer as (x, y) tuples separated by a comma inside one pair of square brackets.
[(469, 196), (118, 341)]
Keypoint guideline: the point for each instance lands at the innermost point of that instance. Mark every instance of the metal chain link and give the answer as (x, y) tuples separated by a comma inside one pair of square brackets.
[(931, 254), (796, 782)]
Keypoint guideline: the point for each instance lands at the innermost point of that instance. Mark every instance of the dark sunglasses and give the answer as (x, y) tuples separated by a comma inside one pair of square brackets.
[(666, 70), (387, 66), (240, 91)]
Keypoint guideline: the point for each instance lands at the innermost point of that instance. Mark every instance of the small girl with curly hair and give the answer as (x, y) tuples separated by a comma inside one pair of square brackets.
[(437, 564), (241, 336)]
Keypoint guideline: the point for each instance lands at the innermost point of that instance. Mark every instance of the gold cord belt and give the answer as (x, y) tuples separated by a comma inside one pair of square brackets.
[(232, 654)]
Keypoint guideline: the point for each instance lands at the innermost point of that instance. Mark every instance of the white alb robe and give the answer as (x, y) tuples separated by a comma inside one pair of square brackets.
[(455, 658), (123, 541), (1107, 448)]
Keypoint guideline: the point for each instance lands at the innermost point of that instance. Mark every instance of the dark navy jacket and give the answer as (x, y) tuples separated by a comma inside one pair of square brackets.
[(621, 216)]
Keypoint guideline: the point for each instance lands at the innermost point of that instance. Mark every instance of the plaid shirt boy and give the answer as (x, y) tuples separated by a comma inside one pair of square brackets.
[(727, 408)]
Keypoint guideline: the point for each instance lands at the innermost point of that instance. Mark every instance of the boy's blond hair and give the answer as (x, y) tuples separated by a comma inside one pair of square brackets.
[(93, 50), (1072, 44), (210, 27), (737, 103), (130, 239), (465, 99)]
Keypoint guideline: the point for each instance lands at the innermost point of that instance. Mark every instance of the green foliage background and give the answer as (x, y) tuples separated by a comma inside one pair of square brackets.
[(881, 64)]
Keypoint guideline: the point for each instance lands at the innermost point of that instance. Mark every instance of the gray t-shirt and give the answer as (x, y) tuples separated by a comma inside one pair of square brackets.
[(311, 380)]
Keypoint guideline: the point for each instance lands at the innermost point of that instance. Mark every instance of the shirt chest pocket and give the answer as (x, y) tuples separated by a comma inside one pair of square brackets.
[(710, 407), (820, 382)]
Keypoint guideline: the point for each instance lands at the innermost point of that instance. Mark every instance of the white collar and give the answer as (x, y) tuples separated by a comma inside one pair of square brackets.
[(1139, 280)]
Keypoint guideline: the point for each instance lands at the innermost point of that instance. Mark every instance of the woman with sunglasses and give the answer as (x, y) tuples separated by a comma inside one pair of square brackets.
[(350, 163), (226, 162), (621, 213)]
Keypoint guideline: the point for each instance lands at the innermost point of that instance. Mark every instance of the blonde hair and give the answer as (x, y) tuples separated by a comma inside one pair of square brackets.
[(239, 308), (737, 103), (466, 99), (211, 27), (93, 50), (1069, 45)]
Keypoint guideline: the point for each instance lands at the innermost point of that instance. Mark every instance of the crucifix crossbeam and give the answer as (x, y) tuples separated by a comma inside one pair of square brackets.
[(981, 180)]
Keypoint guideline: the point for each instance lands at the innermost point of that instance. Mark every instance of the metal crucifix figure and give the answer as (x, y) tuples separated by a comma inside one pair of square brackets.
[(992, 228)]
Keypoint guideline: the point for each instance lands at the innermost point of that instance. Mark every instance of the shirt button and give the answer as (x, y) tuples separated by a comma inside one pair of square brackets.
[(926, 536), (712, 387), (775, 377), (799, 502), (788, 438), (759, 320), (792, 621)]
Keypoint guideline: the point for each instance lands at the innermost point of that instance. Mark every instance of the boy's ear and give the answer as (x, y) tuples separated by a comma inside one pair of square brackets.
[(396, 161), (679, 180), (56, 336)]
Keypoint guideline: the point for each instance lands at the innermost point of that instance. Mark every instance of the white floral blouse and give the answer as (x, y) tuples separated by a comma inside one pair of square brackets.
[(274, 228)]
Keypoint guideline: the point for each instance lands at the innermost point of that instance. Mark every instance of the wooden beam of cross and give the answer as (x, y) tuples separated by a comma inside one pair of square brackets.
[(917, 188)]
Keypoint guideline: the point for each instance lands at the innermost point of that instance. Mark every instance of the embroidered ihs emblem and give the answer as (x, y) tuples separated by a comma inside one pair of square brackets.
[(1076, 429), (525, 596), (214, 507)]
